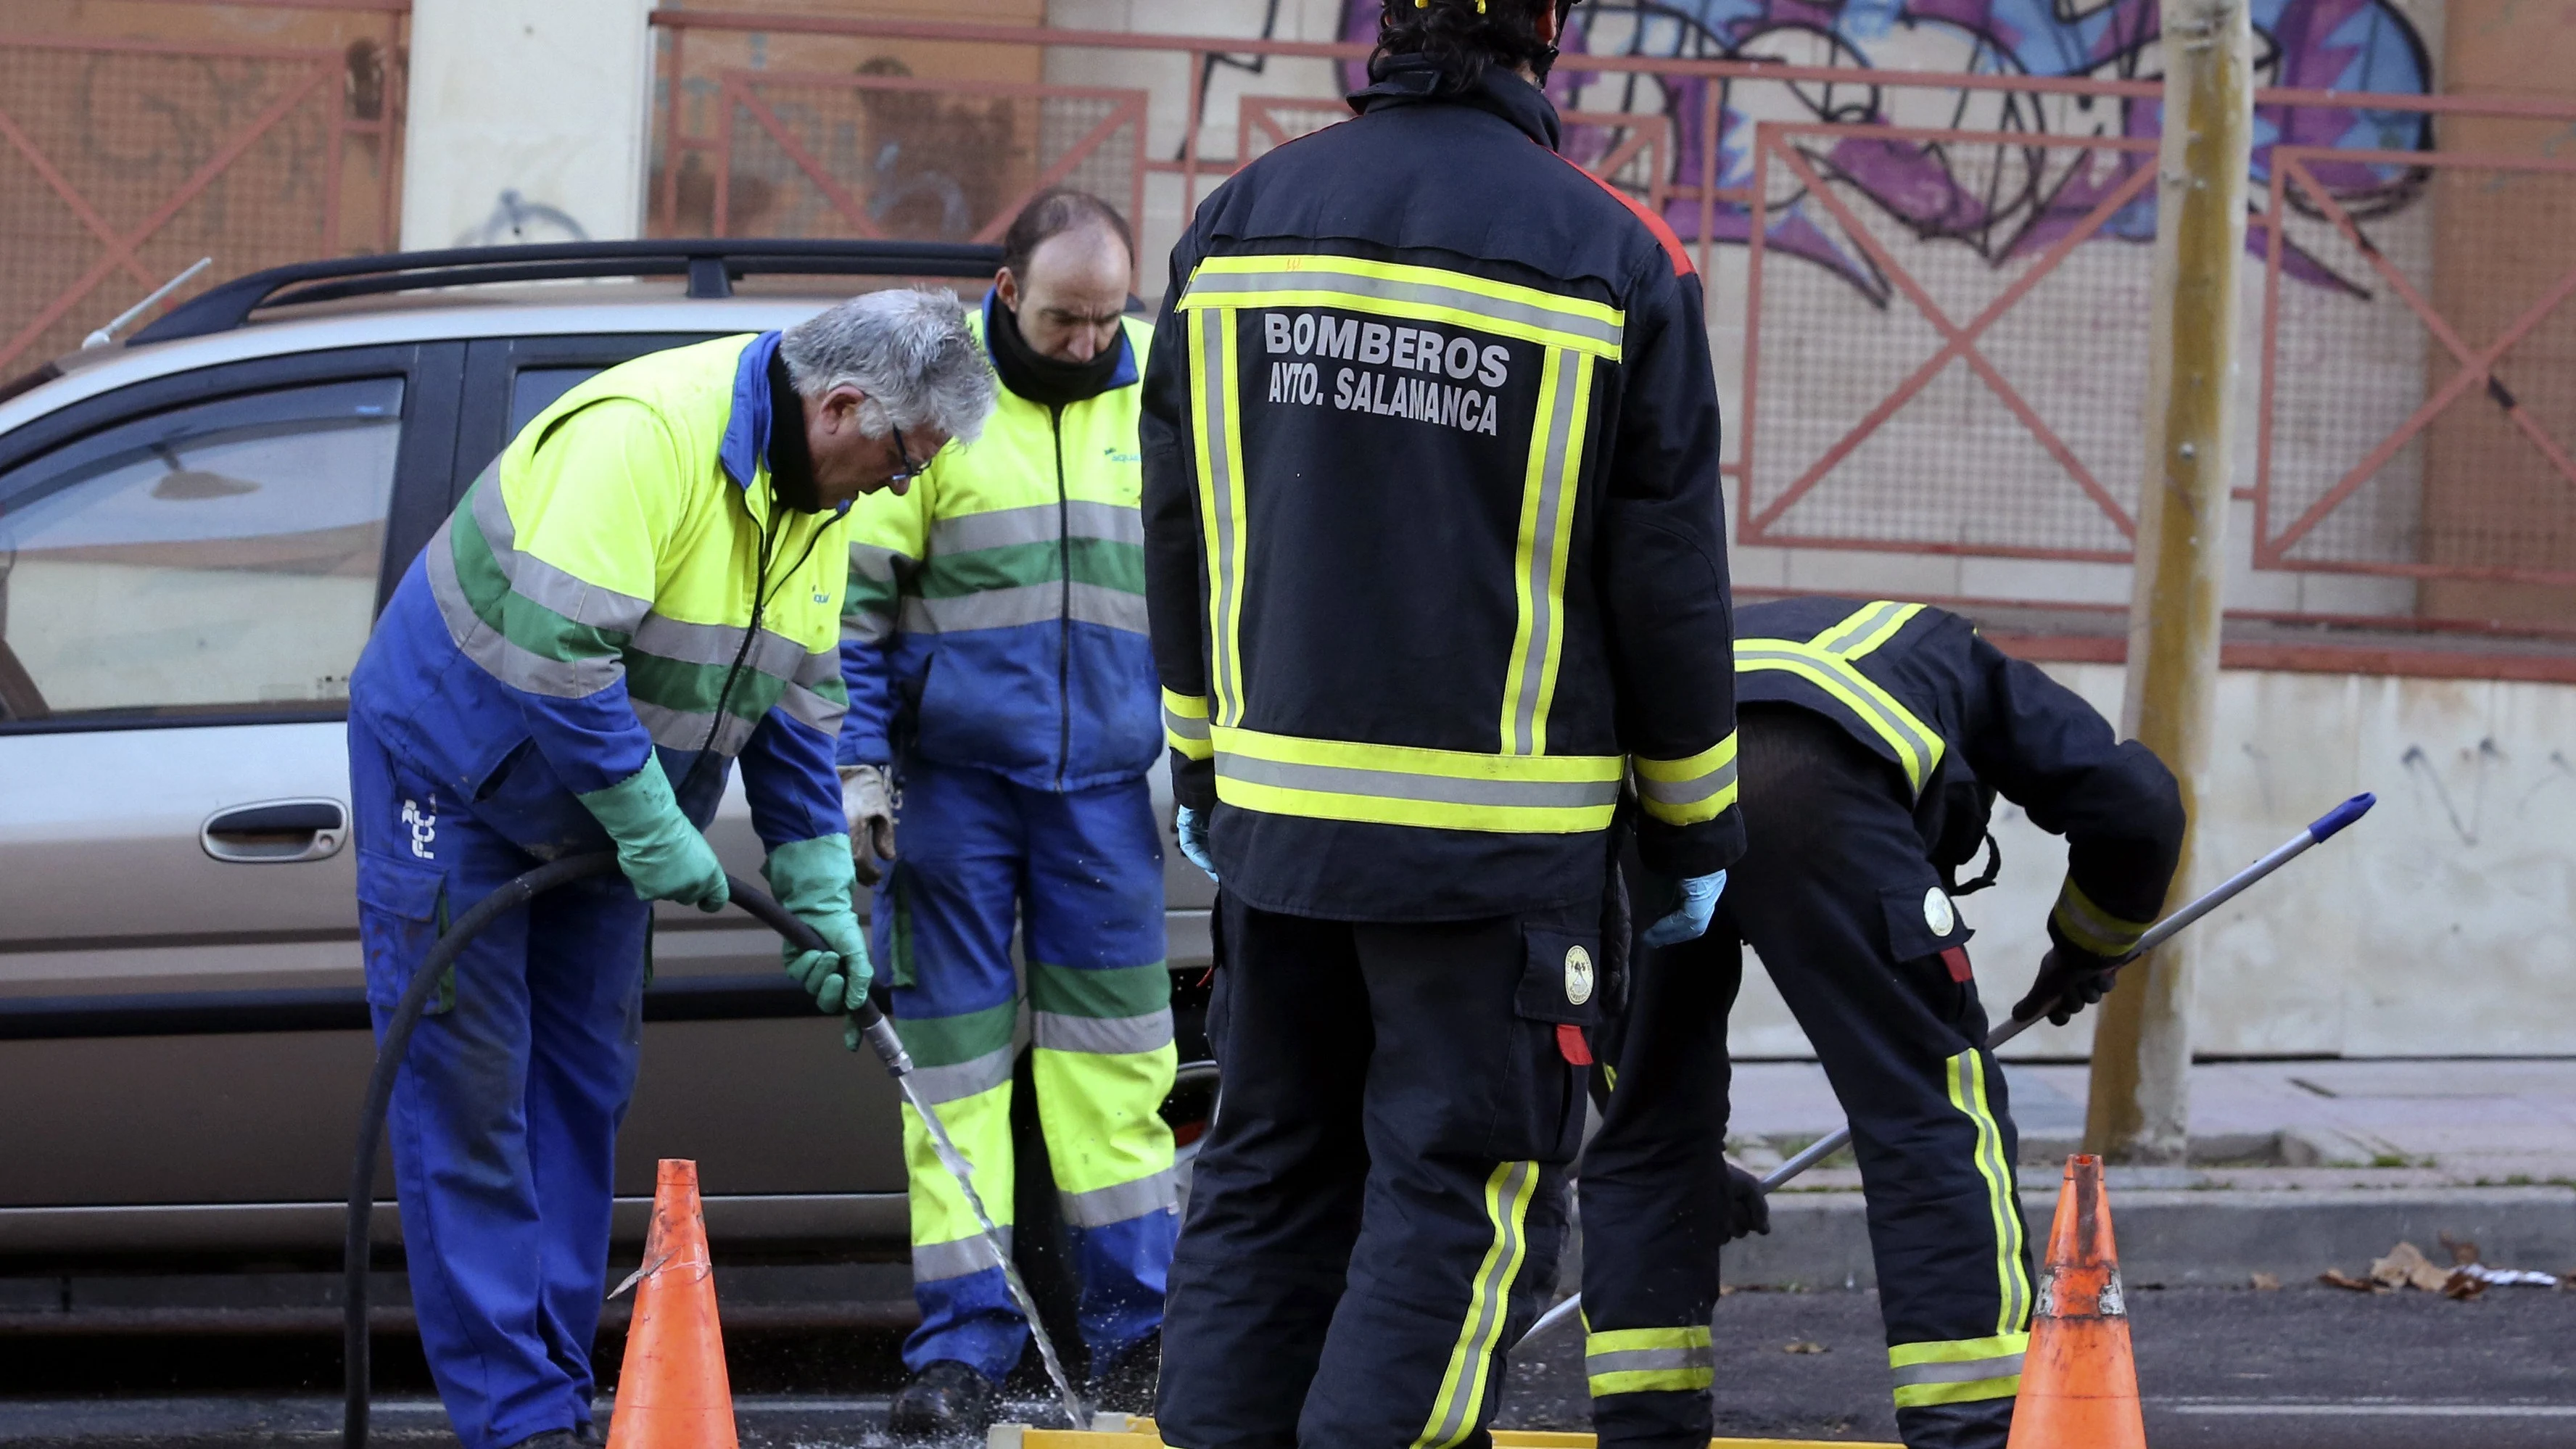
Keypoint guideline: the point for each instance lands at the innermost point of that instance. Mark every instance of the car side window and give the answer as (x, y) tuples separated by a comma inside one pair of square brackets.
[(219, 558), (534, 389)]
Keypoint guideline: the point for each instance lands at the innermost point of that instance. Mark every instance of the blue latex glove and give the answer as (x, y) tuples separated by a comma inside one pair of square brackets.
[(1191, 827), (1689, 920)]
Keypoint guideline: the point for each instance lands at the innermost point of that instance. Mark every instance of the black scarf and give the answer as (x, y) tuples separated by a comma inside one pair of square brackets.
[(1047, 381), (791, 462)]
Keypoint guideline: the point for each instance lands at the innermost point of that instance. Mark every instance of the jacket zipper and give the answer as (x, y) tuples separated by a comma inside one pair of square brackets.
[(1064, 611)]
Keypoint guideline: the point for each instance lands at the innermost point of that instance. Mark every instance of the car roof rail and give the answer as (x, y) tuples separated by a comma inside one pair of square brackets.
[(711, 264)]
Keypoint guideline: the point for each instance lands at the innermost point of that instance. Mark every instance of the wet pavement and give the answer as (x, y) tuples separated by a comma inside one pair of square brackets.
[(2301, 1368)]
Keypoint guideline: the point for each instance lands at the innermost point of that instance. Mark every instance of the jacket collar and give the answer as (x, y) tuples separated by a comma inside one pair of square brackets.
[(1125, 374), (1408, 80), (746, 435)]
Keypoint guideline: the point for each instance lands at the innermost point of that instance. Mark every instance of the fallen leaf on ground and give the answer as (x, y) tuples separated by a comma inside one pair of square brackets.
[(1804, 1345), (2463, 1285), (2406, 1266), (2463, 1252), (2267, 1283), (2338, 1278)]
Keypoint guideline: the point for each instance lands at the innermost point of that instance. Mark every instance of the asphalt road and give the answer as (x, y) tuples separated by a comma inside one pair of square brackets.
[(2303, 1368)]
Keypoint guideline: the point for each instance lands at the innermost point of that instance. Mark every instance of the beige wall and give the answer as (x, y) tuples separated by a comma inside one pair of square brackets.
[(2438, 926)]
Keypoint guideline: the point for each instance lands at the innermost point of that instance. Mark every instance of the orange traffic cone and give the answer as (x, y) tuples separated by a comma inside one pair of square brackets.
[(2079, 1386), (672, 1392)]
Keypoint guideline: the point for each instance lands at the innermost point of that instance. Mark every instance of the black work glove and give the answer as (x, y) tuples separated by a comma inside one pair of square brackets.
[(1747, 1210), (2069, 981)]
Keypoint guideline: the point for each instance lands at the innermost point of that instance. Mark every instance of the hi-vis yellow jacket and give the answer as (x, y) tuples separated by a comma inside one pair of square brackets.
[(1434, 546), (996, 613), (593, 597)]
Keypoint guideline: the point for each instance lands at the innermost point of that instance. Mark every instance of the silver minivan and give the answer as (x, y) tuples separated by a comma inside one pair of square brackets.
[(196, 530)]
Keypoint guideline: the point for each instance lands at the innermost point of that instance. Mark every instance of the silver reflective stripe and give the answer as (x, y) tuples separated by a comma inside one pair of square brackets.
[(540, 582), (1442, 789), (955, 1259), (1110, 608), (870, 561), (1840, 638), (963, 1079), (1102, 1206), (1318, 275), (1966, 1371), (1025, 604), (1106, 1036), (520, 668), (812, 710), (1038, 523), (1543, 583), (1864, 696), (1185, 727), (1644, 1360), (664, 637), (1214, 399), (1491, 1297), (686, 729), (1679, 793)]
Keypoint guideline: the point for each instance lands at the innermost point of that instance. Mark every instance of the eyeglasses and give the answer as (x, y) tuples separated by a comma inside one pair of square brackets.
[(910, 468)]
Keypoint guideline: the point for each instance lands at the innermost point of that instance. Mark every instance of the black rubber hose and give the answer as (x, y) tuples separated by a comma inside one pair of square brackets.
[(397, 1043)]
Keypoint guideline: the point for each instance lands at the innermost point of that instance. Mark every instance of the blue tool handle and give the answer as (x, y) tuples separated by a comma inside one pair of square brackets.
[(2340, 816)]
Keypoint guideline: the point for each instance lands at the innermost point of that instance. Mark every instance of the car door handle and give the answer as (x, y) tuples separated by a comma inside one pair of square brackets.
[(277, 832)]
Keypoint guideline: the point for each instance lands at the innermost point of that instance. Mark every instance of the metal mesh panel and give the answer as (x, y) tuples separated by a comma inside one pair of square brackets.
[(2357, 472), (139, 141), (831, 158), (1954, 464)]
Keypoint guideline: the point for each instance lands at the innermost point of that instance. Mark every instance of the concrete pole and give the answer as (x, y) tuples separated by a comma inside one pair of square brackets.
[(525, 122), (2140, 1110)]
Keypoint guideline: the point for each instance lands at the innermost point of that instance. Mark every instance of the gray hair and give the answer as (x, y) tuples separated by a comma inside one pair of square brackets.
[(909, 350)]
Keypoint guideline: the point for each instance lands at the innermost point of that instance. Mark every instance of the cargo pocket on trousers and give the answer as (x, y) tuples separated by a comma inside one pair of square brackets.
[(1556, 1006), (1929, 943), (402, 911)]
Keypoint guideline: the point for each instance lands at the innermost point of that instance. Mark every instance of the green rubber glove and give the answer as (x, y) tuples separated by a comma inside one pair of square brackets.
[(812, 878), (663, 855)]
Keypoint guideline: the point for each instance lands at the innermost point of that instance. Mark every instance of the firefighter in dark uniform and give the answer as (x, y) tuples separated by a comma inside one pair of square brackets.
[(1435, 561), (1875, 739)]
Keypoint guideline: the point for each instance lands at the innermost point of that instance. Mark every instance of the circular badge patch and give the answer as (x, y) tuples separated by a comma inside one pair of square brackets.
[(1578, 975), (1937, 912)]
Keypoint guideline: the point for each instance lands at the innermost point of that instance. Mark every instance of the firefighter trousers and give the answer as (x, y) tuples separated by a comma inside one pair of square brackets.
[(1380, 1203), (1837, 896), (1081, 873)]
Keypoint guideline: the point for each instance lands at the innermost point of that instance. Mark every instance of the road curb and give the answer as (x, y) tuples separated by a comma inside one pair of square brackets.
[(2217, 1237)]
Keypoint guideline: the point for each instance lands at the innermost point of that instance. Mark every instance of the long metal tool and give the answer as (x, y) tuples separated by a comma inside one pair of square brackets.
[(2318, 832), (881, 1038)]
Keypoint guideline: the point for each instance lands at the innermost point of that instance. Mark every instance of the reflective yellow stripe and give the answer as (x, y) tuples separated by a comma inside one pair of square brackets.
[(1185, 724), (2091, 927), (1216, 420), (1546, 531), (1425, 294), (1917, 745), (1867, 628), (1686, 792), (1967, 1083), (1404, 785), (1916, 1396), (1648, 1361), (1957, 1371), (1461, 1400)]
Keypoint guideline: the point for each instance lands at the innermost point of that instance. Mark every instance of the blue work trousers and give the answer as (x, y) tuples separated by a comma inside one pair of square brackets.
[(1081, 873), (504, 1119)]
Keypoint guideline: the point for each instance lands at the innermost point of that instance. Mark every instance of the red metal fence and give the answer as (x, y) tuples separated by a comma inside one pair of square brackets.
[(123, 160)]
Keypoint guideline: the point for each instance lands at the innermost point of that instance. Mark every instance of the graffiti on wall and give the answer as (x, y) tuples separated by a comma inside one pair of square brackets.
[(2004, 202)]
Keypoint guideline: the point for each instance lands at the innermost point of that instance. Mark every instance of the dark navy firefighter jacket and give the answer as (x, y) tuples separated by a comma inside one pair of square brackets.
[(1959, 721), (1435, 554)]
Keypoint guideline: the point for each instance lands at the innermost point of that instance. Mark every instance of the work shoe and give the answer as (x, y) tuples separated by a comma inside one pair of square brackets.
[(946, 1400), (551, 1439), (1127, 1385)]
